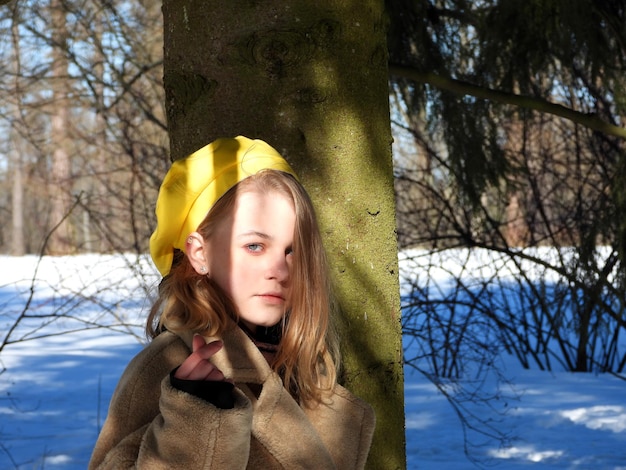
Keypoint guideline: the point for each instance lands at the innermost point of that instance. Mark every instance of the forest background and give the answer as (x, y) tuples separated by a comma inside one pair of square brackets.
[(507, 119)]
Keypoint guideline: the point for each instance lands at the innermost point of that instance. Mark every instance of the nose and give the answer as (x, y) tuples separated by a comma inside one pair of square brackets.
[(279, 268)]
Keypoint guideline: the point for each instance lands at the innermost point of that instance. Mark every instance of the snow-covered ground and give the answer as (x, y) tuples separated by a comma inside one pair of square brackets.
[(54, 390)]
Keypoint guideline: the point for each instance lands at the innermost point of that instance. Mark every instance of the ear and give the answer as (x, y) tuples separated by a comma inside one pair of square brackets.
[(195, 249)]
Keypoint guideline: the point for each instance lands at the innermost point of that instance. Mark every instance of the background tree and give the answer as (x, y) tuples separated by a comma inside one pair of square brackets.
[(311, 79), (519, 117), (59, 186), (117, 149), (101, 139), (16, 164)]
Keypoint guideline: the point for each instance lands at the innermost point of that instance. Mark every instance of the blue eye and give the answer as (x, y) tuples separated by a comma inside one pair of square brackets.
[(254, 247)]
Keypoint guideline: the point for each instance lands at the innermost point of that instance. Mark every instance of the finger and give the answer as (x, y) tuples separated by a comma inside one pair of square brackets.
[(204, 349), (200, 372), (194, 369), (203, 371), (197, 364), (209, 349), (197, 342), (215, 375)]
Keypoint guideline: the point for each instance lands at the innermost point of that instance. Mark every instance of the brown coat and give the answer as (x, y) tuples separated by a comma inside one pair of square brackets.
[(152, 425)]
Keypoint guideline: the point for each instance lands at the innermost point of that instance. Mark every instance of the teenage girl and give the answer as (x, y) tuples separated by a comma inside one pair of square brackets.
[(241, 370)]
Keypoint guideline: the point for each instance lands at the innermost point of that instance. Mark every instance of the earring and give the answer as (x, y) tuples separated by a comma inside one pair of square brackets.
[(203, 269), (190, 240)]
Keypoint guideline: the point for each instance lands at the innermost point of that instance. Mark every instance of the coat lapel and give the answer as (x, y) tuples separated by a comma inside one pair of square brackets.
[(278, 422)]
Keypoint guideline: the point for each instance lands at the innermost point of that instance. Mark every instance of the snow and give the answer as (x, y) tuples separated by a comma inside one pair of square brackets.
[(54, 389)]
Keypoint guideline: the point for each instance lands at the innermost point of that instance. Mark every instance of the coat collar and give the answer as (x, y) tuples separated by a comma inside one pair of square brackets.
[(278, 423), (239, 359)]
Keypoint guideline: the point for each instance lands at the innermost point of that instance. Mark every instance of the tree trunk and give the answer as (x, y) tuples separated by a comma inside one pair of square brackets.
[(100, 187), (18, 247), (311, 79), (60, 241)]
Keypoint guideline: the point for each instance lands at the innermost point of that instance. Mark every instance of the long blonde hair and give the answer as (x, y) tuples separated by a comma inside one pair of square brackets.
[(308, 354)]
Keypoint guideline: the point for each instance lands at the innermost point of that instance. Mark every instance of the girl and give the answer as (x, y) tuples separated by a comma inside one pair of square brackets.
[(241, 370)]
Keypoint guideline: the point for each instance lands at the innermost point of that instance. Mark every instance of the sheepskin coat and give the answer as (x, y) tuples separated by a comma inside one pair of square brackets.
[(152, 425)]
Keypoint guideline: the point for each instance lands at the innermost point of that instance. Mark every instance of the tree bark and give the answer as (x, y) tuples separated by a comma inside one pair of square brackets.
[(18, 247), (60, 241), (311, 79)]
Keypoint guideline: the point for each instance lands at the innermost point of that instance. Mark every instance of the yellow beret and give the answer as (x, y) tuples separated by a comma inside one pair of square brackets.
[(194, 184)]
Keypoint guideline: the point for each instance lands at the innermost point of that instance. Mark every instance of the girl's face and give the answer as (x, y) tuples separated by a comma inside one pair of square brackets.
[(250, 256)]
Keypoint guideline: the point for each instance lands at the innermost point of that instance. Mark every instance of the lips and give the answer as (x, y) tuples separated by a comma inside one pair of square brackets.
[(272, 297)]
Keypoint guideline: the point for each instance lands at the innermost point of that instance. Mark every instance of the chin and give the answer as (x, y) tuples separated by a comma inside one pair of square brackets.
[(265, 322)]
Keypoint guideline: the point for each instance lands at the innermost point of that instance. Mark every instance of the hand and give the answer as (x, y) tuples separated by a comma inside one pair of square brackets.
[(197, 366)]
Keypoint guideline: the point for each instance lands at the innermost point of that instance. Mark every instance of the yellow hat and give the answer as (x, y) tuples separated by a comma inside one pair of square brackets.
[(194, 184)]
